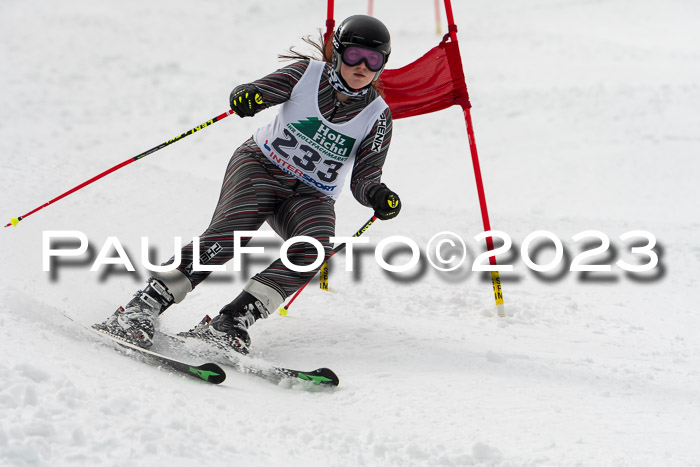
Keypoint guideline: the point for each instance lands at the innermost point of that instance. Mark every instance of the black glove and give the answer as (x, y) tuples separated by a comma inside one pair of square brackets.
[(245, 100), (385, 202)]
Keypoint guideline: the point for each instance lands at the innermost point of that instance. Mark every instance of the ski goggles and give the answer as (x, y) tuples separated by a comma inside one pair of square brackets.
[(353, 56)]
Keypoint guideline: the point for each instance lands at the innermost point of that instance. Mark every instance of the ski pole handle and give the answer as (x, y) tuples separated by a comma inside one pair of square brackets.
[(15, 220), (284, 309)]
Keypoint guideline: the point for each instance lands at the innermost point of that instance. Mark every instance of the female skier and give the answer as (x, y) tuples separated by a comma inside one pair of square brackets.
[(332, 121)]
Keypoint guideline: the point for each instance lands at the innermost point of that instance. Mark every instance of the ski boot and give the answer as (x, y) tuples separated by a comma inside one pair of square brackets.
[(229, 330), (135, 323)]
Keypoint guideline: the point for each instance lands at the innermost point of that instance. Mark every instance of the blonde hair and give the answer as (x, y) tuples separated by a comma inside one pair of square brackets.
[(323, 50)]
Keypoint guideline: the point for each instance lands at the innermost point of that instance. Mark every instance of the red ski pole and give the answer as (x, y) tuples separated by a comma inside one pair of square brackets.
[(15, 220), (285, 308)]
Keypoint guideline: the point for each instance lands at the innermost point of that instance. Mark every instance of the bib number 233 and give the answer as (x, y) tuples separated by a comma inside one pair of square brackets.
[(306, 158)]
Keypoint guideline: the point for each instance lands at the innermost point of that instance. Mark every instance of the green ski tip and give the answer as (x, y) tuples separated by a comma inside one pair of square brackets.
[(322, 376), (314, 379), (209, 372)]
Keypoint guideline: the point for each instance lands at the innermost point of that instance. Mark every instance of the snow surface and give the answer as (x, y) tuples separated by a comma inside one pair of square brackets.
[(585, 116)]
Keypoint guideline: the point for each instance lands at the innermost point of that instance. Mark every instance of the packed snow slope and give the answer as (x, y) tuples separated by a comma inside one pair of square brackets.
[(586, 118)]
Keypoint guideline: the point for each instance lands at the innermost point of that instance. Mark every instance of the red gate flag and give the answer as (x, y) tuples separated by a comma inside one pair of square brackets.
[(433, 82)]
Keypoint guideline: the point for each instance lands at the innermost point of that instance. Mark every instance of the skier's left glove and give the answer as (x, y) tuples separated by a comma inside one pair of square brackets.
[(385, 202), (245, 100)]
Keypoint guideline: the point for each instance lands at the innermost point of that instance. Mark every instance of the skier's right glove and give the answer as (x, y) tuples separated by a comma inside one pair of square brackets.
[(385, 202), (245, 100)]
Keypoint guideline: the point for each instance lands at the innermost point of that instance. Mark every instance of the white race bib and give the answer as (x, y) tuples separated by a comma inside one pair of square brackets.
[(304, 144)]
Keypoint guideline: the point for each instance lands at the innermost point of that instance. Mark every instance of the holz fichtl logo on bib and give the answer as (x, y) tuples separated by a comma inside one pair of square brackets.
[(330, 142)]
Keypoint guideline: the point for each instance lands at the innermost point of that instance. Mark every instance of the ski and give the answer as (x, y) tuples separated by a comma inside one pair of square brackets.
[(212, 372), (209, 372), (320, 376), (246, 365)]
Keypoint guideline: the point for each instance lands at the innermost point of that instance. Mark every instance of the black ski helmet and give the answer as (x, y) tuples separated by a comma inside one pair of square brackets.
[(364, 31)]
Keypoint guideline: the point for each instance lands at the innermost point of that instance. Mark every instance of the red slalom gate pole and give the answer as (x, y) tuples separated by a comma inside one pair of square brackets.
[(330, 22), (438, 29), (495, 277), (15, 220)]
